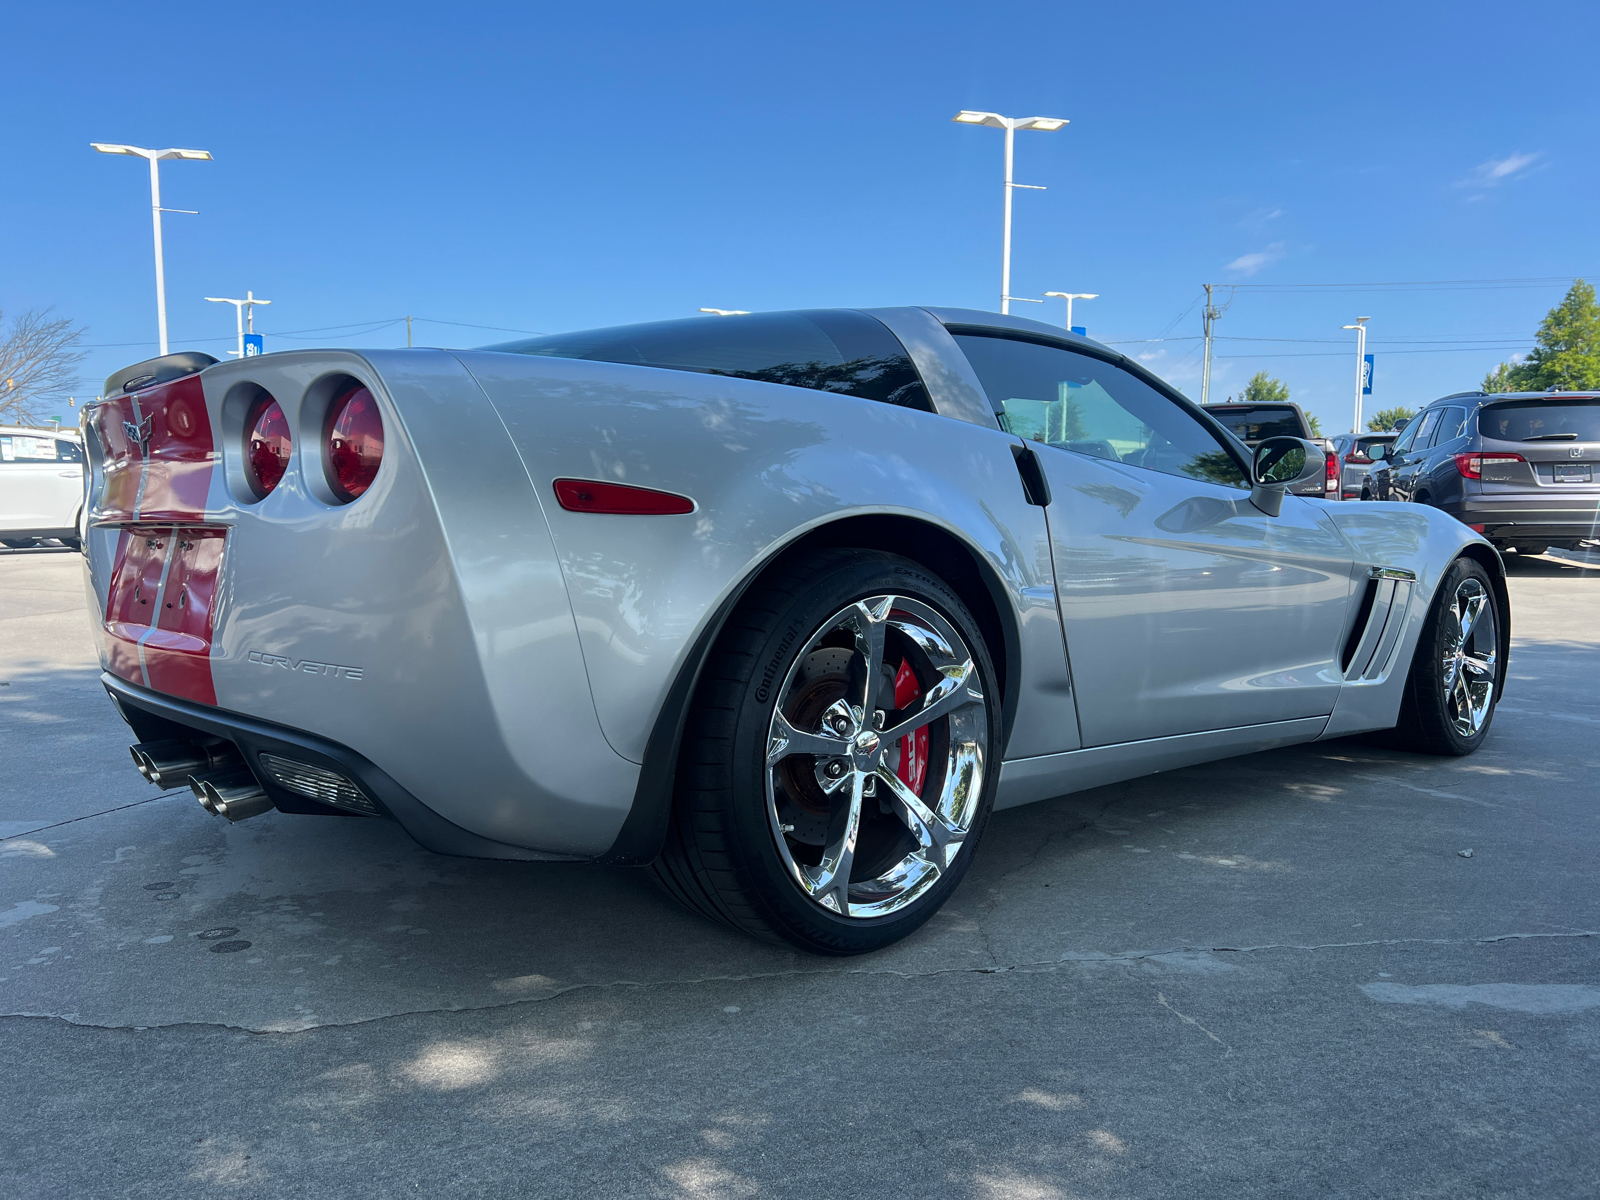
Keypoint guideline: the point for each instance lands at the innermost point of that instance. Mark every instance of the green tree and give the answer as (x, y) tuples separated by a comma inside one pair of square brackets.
[(1263, 389), (1566, 354), (1316, 425), (1385, 419)]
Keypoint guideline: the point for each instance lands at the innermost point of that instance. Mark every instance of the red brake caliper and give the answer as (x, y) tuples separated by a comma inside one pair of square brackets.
[(913, 768)]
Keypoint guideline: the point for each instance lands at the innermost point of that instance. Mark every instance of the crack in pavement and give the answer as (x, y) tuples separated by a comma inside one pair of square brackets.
[(91, 816), (1040, 966)]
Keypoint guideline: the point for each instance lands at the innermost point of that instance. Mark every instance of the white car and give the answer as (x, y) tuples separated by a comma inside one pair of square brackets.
[(41, 485)]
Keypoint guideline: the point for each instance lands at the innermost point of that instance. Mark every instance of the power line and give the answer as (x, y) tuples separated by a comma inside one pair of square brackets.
[(1446, 285)]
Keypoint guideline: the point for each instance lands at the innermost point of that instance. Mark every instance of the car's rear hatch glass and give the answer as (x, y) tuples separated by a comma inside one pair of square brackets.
[(1564, 420), (1557, 437), (1255, 424)]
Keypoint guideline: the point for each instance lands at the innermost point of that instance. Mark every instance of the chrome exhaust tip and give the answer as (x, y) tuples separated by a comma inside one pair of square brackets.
[(233, 794), (169, 763)]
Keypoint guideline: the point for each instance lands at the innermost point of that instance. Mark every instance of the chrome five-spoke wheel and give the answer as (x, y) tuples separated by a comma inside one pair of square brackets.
[(875, 756), (1470, 656), (1459, 666), (838, 764)]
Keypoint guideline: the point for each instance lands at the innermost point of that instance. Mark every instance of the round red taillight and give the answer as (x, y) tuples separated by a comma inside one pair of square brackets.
[(353, 442), (266, 448)]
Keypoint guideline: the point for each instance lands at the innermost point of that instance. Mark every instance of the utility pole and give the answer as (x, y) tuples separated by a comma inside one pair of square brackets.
[(1361, 364), (1208, 315), (408, 333)]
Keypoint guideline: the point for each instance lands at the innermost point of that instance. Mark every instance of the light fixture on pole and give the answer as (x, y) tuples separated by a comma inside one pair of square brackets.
[(1069, 297), (1010, 125), (244, 310), (726, 312), (155, 157), (1361, 364)]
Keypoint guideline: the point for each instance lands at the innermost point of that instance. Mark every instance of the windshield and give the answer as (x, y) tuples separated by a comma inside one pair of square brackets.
[(1542, 420), (1262, 421)]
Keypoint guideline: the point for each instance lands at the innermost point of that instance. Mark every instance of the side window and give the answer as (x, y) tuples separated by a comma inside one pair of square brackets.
[(1452, 424), (1425, 425), (68, 451), (826, 350), (1079, 403), (26, 448)]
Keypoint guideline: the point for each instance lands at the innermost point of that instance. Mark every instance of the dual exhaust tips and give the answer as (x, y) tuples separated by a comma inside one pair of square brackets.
[(213, 770)]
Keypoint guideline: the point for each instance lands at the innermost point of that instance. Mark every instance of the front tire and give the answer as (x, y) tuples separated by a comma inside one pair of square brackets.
[(1458, 669), (841, 757)]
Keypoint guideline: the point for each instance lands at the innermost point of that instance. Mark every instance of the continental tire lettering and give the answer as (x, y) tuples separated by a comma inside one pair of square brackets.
[(771, 669), (305, 666)]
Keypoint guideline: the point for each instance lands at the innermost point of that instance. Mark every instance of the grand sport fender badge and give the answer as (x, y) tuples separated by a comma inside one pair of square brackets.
[(305, 666)]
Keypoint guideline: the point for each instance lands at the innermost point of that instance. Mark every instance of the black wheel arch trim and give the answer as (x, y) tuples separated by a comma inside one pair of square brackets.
[(644, 831)]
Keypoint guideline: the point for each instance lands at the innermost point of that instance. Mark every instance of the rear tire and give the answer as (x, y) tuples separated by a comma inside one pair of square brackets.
[(17, 543), (792, 820), (1455, 681)]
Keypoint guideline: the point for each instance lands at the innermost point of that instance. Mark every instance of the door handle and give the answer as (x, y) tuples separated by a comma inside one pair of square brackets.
[(1034, 485), (69, 474)]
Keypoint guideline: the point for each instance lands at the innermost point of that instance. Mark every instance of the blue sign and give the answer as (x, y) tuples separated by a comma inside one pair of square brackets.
[(1080, 330), (1366, 374), (252, 346)]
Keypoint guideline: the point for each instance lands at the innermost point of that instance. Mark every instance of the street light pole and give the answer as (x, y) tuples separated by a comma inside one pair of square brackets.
[(1069, 297), (1010, 125), (241, 308), (1361, 363), (155, 157)]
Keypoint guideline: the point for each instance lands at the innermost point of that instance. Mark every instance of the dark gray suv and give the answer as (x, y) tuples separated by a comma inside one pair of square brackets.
[(1522, 468)]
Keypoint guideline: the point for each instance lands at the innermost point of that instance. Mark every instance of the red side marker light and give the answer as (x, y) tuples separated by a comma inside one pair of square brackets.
[(593, 496), (1475, 528), (266, 449)]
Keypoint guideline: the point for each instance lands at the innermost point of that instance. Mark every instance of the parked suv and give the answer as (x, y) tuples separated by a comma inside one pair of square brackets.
[(1521, 468), (1354, 452), (1253, 423), (41, 485)]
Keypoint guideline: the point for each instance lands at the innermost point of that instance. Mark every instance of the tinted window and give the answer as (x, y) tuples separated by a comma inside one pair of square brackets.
[(68, 451), (23, 447), (1252, 425), (1079, 403), (825, 350), (1452, 424), (1541, 421), (1426, 424)]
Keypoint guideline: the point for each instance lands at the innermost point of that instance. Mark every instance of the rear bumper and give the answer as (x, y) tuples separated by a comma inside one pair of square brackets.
[(153, 716), (1531, 518)]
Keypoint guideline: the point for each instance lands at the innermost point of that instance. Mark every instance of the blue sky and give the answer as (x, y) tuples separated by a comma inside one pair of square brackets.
[(534, 167)]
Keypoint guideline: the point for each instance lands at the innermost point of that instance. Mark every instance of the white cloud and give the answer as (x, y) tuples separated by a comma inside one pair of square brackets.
[(1498, 170), (1249, 264)]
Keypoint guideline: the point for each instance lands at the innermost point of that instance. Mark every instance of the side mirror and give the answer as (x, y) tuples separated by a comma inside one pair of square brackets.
[(1279, 464), (1379, 452)]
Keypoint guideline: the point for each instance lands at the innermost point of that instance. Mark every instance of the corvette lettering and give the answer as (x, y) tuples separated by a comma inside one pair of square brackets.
[(305, 666)]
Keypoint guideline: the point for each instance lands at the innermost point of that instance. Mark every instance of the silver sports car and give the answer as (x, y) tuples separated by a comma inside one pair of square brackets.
[(782, 604)]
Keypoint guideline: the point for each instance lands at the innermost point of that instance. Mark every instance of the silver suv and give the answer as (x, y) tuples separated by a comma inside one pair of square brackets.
[(41, 485)]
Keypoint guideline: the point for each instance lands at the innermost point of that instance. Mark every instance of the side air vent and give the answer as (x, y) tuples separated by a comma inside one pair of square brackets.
[(1379, 624), (317, 783)]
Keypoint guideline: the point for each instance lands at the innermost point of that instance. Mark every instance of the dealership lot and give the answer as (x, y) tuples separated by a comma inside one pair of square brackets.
[(1273, 975)]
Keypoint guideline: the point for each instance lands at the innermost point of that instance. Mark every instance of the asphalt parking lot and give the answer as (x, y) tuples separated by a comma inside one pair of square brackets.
[(1272, 976)]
